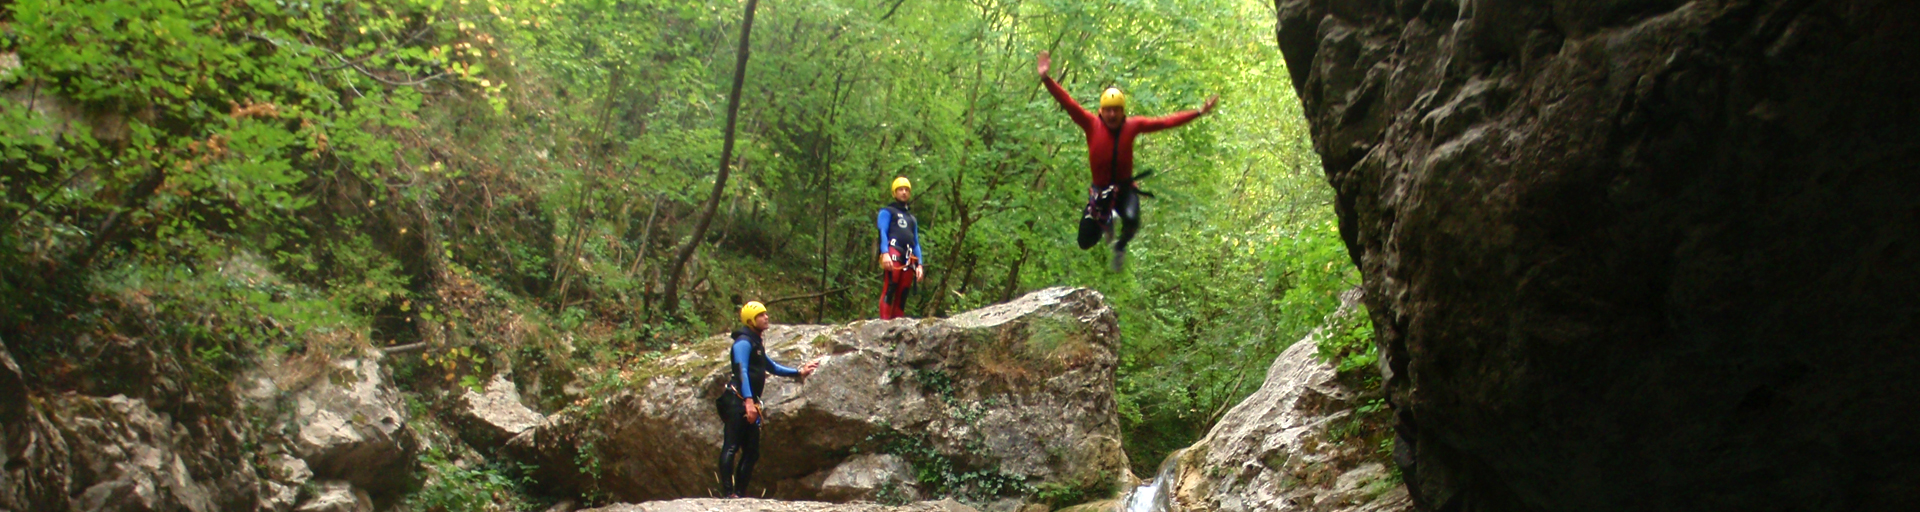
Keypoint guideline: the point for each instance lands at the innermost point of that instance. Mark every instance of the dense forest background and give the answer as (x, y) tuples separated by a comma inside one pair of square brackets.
[(476, 180)]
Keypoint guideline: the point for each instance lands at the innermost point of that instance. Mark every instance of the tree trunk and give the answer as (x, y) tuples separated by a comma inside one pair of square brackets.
[(1013, 274), (646, 238), (569, 254), (671, 296), (826, 196), (959, 203)]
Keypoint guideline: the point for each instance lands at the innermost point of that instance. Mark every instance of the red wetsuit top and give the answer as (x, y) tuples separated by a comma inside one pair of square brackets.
[(1100, 140)]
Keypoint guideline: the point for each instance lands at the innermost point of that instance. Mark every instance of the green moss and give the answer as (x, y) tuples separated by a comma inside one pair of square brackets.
[(943, 476)]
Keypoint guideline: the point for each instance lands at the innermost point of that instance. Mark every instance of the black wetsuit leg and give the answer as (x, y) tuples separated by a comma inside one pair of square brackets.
[(743, 439), (898, 297), (1094, 217), (1089, 232), (1128, 207)]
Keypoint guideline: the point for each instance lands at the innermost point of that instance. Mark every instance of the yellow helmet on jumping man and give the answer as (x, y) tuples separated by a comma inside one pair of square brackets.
[(752, 309), (900, 183), (1113, 98)]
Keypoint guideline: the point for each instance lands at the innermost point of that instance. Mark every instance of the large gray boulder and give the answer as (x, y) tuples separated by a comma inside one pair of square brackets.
[(488, 419), (867, 476), (1276, 450), (1024, 388), (344, 418), (1631, 255), (336, 496)]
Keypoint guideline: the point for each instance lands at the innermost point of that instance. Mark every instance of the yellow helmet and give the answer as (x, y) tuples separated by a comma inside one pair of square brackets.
[(900, 183), (1113, 98), (752, 309)]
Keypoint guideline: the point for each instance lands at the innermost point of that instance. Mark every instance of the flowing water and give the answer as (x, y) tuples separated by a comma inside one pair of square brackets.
[(1154, 495)]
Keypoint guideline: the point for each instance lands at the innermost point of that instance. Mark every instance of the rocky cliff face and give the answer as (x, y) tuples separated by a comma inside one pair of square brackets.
[(338, 440), (1631, 255), (1021, 392)]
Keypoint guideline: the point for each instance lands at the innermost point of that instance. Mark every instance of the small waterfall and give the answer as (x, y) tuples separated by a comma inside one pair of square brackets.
[(1154, 495)]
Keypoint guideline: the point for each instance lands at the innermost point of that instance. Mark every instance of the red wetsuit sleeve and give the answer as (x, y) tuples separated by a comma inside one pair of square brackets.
[(1154, 124), (1079, 114)]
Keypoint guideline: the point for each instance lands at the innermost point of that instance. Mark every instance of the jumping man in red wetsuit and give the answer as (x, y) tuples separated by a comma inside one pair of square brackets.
[(1110, 151)]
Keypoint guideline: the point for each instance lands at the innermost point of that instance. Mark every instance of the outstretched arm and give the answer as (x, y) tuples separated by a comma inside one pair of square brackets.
[(776, 368), (1154, 124), (1074, 110)]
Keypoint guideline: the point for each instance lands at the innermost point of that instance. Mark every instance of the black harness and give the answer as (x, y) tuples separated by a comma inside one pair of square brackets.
[(757, 364), (903, 233), (1100, 199)]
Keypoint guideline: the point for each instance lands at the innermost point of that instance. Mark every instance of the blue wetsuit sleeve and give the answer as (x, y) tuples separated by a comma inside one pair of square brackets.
[(885, 217), (742, 351), (916, 244), (780, 369)]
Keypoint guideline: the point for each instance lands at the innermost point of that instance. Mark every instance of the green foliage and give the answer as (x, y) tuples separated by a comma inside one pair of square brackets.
[(451, 488), (1348, 345), (1061, 495), (891, 494), (937, 381), (463, 365), (940, 475)]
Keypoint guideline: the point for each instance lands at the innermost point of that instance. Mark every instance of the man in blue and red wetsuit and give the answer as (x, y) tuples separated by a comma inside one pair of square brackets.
[(1110, 151), (900, 263)]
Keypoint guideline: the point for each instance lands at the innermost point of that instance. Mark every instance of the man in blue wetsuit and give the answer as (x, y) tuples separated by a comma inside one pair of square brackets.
[(740, 405), (899, 250)]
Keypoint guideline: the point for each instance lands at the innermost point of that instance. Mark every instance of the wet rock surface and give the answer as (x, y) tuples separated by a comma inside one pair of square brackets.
[(1025, 387), (1651, 255)]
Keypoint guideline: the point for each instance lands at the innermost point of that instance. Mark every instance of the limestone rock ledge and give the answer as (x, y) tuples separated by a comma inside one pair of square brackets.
[(1025, 387)]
